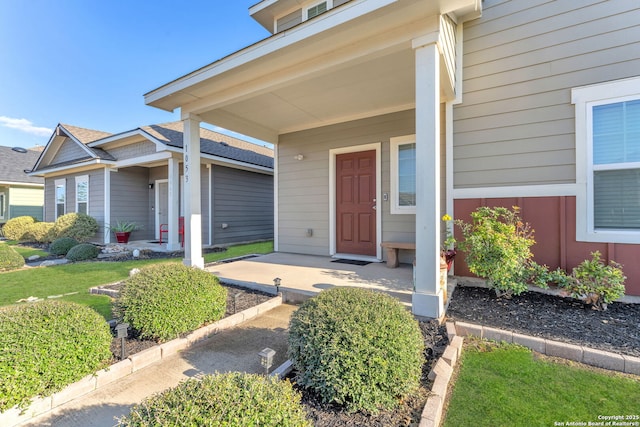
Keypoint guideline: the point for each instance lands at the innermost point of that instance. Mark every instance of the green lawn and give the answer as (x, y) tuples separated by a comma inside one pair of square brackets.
[(25, 251), (76, 279), (506, 385)]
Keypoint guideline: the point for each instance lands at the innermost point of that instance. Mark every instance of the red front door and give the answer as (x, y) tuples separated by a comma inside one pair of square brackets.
[(356, 203)]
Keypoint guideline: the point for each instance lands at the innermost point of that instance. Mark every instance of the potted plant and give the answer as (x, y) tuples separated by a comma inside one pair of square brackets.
[(448, 250), (123, 229)]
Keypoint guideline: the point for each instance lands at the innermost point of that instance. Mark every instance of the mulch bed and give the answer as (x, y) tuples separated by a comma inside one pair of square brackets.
[(616, 329)]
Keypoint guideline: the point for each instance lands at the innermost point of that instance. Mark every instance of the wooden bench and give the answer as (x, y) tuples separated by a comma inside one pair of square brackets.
[(392, 251)]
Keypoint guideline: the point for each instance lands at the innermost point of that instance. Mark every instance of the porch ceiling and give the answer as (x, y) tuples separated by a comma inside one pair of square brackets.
[(355, 62)]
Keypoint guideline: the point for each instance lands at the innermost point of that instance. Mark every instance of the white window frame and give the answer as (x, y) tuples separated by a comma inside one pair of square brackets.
[(79, 180), (305, 14), (396, 209), (585, 98), (59, 183), (3, 201)]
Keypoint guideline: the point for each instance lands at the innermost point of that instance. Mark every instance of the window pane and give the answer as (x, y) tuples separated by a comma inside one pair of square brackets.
[(82, 191), (82, 208), (1, 205), (407, 174), (316, 10), (59, 209), (60, 194), (616, 133), (616, 197)]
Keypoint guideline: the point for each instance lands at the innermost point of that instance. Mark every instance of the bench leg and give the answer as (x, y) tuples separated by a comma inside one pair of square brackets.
[(392, 258)]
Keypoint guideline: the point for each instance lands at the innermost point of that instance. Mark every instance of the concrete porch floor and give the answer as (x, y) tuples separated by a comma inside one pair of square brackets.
[(308, 275)]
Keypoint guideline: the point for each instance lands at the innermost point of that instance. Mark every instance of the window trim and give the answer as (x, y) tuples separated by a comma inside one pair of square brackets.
[(59, 183), (585, 98), (396, 142), (305, 14), (82, 179)]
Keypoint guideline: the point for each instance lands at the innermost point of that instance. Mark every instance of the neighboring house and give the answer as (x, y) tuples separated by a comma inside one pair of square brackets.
[(138, 176), (385, 114), (20, 194)]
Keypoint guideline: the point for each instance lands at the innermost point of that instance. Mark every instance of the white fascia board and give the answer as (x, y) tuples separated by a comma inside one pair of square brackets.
[(268, 46), (46, 148), (80, 166), (134, 161), (20, 184), (237, 164), (140, 132), (545, 190)]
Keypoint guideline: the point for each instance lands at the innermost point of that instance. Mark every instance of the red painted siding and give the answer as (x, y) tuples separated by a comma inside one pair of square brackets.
[(554, 222)]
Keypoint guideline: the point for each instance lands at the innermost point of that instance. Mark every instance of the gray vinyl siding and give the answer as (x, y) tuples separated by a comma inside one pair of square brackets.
[(69, 150), (204, 203), (337, 3), (288, 21), (244, 201), (304, 185), (521, 59), (133, 150), (24, 201), (130, 200)]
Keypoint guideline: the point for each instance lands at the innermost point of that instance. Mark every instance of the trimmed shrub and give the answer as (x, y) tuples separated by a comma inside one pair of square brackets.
[(9, 258), (79, 226), (62, 245), (355, 347), (165, 300), (83, 252), (46, 346), (40, 232), (16, 228), (233, 399)]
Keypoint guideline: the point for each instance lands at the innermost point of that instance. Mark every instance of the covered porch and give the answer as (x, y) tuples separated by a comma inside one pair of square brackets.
[(359, 64)]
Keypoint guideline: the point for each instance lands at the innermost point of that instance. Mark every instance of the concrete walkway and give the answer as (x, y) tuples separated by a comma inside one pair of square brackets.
[(235, 349)]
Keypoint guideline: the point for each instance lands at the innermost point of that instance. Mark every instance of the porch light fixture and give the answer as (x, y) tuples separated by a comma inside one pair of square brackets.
[(276, 283), (298, 157), (266, 359), (151, 186), (122, 331)]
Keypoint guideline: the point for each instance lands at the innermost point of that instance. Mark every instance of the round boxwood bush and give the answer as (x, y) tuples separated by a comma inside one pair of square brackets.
[(355, 347), (9, 258), (79, 226), (83, 252), (165, 300), (62, 245), (16, 228), (233, 399), (40, 232), (46, 346)]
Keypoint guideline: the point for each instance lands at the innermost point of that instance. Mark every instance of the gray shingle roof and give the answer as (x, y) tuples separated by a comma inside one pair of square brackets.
[(214, 143), (86, 136), (13, 164)]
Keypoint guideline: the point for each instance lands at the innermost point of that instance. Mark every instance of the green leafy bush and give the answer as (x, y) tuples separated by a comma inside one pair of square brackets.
[(79, 226), (233, 399), (83, 252), (40, 232), (541, 276), (46, 346), (355, 347), (596, 283), (164, 300), (497, 246), (16, 228), (9, 258), (62, 245)]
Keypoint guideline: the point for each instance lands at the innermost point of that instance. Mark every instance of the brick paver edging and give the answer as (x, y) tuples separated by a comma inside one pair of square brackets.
[(442, 371), (135, 362)]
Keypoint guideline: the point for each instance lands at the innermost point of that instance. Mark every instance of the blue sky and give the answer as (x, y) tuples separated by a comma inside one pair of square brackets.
[(88, 63)]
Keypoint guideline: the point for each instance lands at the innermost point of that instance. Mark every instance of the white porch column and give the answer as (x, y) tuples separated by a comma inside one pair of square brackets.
[(192, 209), (173, 205), (427, 297), (107, 205)]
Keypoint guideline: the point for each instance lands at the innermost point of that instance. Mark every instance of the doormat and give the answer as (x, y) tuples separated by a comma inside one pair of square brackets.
[(154, 241), (351, 261)]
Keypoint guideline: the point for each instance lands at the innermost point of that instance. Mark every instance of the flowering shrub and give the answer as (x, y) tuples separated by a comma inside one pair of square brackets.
[(497, 245)]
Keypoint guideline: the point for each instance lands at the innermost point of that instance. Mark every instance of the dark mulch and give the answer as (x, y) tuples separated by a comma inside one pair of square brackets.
[(238, 299), (616, 329)]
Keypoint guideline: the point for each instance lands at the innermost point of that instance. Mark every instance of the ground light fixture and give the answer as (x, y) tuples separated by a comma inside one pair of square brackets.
[(122, 331), (266, 359), (276, 282)]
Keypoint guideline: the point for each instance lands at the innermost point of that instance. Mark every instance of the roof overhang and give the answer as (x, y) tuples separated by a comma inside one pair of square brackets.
[(20, 184), (351, 62), (75, 167)]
